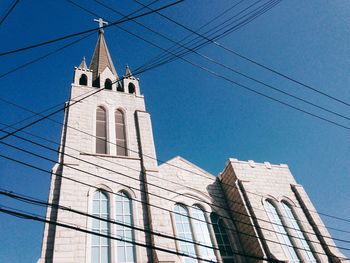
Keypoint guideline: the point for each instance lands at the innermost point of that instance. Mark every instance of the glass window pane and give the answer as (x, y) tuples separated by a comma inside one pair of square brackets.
[(299, 234), (125, 250), (183, 231), (95, 255), (281, 232), (100, 245), (222, 238)]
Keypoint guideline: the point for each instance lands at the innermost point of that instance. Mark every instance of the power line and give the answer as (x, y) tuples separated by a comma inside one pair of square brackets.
[(35, 217), (80, 182), (44, 56), (90, 134), (249, 59), (61, 153), (232, 69), (35, 201), (231, 27), (153, 44), (87, 31), (9, 11)]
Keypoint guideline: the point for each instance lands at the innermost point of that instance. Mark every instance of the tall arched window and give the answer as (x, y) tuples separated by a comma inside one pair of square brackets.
[(307, 252), (281, 232), (131, 88), (125, 251), (120, 133), (100, 245), (184, 231), (222, 238), (101, 131), (202, 233), (108, 84), (83, 80)]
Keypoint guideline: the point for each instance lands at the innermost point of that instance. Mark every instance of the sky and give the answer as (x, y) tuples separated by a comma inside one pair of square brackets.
[(198, 116)]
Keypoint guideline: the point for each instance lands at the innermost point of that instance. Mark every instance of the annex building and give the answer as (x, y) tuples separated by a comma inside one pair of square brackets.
[(125, 207)]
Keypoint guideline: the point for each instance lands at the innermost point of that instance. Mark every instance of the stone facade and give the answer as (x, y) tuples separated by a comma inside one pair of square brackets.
[(237, 195)]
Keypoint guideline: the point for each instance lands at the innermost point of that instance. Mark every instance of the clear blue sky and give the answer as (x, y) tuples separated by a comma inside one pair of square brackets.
[(202, 118)]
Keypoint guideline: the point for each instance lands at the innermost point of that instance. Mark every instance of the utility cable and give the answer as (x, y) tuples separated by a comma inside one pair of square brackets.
[(9, 11), (228, 29), (230, 68), (128, 186), (87, 31), (138, 23), (35, 217), (248, 59), (35, 201)]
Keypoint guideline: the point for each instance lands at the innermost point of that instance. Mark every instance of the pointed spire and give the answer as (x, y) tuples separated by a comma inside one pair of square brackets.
[(101, 58), (127, 71), (83, 64)]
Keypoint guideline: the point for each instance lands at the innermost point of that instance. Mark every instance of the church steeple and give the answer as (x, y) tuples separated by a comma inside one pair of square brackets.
[(101, 57)]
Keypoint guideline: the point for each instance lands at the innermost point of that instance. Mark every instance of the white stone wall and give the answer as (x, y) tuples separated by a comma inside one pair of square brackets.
[(253, 183)]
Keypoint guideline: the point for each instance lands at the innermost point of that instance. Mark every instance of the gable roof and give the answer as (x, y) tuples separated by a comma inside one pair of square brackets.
[(178, 161)]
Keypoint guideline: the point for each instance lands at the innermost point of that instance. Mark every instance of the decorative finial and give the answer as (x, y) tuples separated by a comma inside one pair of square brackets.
[(127, 71), (83, 64), (101, 24)]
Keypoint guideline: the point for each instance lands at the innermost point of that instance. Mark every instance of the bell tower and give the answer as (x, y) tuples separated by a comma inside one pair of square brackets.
[(106, 150)]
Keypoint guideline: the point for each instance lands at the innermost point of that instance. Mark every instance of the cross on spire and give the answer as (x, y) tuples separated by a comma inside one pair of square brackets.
[(101, 23)]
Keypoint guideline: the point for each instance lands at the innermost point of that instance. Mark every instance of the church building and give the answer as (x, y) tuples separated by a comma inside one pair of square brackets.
[(125, 207)]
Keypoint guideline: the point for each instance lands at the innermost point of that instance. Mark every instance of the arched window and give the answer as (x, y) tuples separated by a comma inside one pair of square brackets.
[(101, 131), (222, 238), (281, 232), (202, 233), (123, 207), (299, 234), (83, 80), (184, 231), (100, 245), (120, 133), (131, 88), (108, 84)]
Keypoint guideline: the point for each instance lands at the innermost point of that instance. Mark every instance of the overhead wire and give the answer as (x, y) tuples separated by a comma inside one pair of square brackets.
[(9, 11), (222, 30), (89, 134), (249, 59), (35, 217), (230, 68), (87, 31), (128, 186)]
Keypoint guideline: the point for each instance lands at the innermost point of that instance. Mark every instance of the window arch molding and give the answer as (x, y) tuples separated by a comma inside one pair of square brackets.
[(107, 112), (185, 196)]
